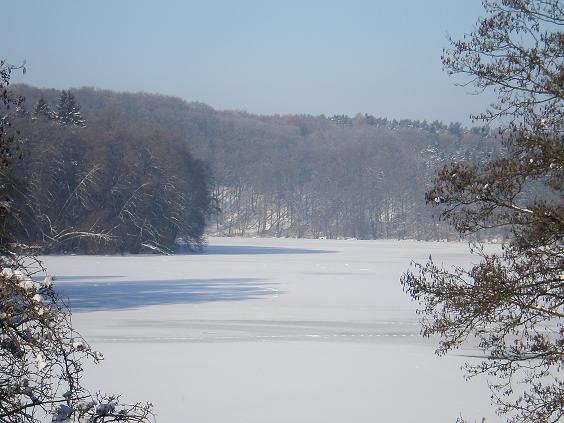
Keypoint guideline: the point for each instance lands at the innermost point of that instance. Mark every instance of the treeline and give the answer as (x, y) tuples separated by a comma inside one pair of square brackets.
[(328, 180), (90, 184), (298, 175)]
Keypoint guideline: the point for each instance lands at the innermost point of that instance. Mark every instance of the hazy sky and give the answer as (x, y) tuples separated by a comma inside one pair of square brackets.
[(263, 56)]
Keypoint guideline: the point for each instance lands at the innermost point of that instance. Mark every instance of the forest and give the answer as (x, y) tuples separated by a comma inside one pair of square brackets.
[(144, 172), (94, 185)]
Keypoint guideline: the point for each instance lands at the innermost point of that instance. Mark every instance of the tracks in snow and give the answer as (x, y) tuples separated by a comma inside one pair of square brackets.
[(208, 331)]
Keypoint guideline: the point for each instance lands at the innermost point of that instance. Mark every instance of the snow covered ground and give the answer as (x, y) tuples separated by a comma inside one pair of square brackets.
[(270, 330)]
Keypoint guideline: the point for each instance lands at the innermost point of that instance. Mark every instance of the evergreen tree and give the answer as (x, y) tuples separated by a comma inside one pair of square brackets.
[(68, 110), (42, 110)]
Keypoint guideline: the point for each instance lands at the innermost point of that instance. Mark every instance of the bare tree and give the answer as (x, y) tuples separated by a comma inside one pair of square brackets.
[(512, 301)]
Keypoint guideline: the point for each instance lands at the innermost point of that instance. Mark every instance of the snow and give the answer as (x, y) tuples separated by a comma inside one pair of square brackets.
[(40, 361), (277, 330)]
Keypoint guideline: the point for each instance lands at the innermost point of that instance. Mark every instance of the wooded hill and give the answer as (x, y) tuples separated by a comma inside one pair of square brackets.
[(297, 175), (88, 184)]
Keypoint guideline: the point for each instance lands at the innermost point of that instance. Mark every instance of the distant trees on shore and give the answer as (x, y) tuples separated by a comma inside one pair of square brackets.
[(299, 175), (356, 180), (109, 186)]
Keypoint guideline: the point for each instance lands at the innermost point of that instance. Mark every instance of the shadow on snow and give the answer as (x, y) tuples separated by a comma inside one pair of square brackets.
[(92, 295)]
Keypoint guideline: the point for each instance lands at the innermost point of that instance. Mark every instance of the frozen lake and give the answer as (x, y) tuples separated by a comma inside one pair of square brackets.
[(270, 330)]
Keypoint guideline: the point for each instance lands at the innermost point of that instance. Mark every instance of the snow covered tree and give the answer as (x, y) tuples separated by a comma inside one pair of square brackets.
[(68, 110), (42, 110), (41, 358), (512, 301), (41, 355)]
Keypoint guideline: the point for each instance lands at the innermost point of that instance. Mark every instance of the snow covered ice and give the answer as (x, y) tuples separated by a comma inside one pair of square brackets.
[(270, 330)]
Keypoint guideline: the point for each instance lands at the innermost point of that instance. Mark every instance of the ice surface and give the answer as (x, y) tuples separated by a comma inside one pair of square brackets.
[(270, 330)]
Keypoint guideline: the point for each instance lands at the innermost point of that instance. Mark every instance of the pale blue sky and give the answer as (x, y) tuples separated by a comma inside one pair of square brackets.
[(318, 56)]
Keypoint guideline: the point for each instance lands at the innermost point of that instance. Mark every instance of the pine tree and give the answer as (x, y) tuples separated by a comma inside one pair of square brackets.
[(42, 110), (68, 110)]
